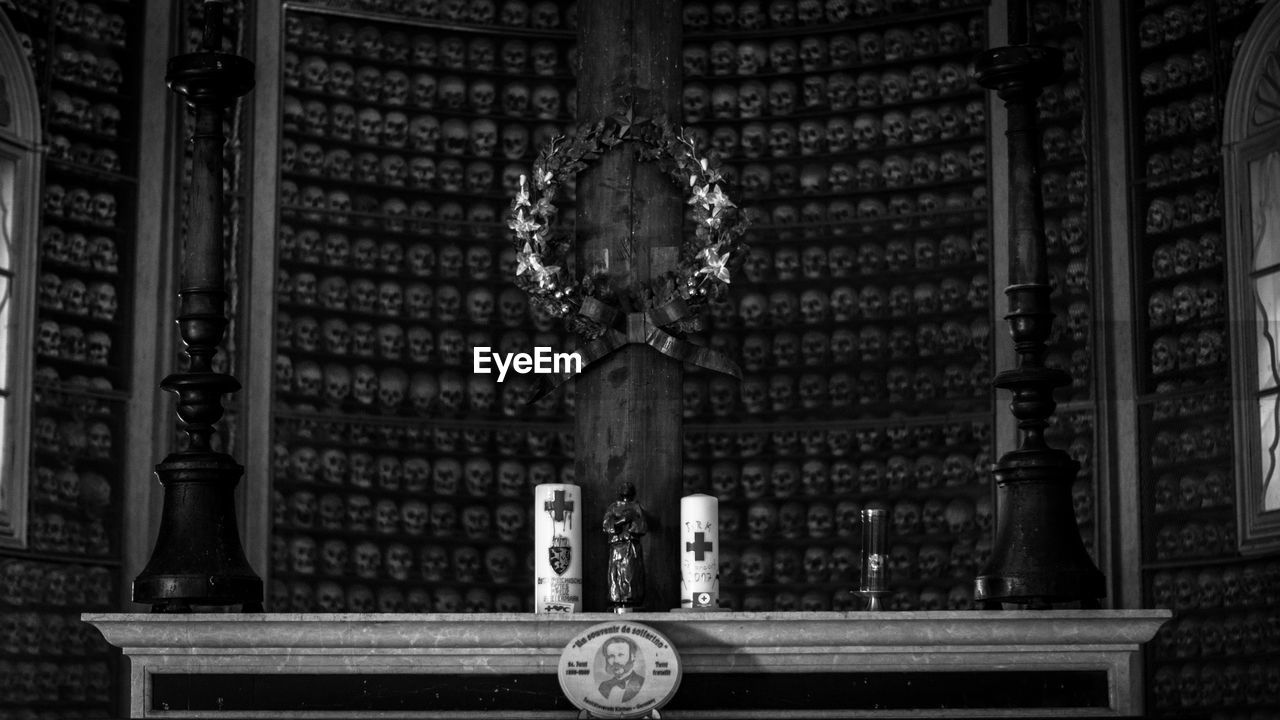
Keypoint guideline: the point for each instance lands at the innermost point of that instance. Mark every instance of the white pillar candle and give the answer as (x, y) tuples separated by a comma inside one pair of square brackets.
[(557, 537), (699, 552)]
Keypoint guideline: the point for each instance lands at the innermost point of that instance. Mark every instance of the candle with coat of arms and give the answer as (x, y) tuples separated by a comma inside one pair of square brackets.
[(557, 537), (699, 552)]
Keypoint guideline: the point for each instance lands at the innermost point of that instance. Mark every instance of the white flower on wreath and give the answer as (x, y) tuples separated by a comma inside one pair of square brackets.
[(528, 262), (524, 224), (714, 265)]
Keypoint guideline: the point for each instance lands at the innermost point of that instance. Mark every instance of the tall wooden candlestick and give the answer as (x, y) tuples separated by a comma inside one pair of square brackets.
[(1037, 558), (629, 217), (1018, 22), (198, 559)]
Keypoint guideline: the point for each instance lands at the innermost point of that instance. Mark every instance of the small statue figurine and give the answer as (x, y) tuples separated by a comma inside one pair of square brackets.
[(624, 524)]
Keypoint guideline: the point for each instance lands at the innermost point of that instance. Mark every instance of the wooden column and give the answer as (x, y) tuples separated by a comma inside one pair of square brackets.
[(198, 558), (1038, 558), (628, 422)]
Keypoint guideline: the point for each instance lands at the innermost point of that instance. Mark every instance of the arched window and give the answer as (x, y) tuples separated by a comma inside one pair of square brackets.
[(1251, 139), (19, 215)]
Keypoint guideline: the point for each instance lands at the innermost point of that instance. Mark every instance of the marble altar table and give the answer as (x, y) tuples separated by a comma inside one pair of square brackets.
[(1061, 663)]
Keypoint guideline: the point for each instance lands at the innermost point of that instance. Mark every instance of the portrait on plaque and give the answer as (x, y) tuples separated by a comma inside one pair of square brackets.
[(620, 663), (619, 670)]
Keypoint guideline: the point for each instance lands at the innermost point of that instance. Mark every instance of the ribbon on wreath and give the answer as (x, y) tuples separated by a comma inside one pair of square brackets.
[(642, 328)]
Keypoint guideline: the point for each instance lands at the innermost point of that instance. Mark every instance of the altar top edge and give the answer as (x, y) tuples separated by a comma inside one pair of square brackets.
[(679, 616), (1060, 628)]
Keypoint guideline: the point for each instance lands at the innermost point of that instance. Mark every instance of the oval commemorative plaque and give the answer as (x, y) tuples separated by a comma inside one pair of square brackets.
[(619, 670)]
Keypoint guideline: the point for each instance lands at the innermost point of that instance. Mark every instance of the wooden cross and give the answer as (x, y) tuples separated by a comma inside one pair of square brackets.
[(699, 546), (629, 217)]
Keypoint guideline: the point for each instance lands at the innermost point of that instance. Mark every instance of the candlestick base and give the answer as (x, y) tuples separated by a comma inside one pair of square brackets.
[(874, 603), (198, 559), (1038, 558)]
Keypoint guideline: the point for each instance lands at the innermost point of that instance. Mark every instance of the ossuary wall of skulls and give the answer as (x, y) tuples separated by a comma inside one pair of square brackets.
[(853, 135), (861, 314), (402, 481), (1221, 653), (83, 56)]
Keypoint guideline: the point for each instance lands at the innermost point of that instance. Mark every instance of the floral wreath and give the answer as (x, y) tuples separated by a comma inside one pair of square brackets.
[(545, 255)]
